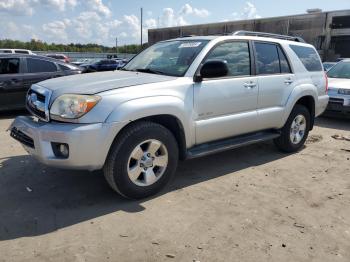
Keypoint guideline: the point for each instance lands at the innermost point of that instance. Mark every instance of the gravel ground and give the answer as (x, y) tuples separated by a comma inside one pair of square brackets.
[(248, 204)]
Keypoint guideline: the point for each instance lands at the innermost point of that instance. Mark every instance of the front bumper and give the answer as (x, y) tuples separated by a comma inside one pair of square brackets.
[(339, 104), (88, 143)]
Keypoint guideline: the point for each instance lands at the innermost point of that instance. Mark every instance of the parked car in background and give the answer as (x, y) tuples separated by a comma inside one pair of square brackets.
[(121, 62), (82, 61), (328, 65), (61, 57), (16, 51), (341, 59), (19, 72), (339, 89), (84, 66), (103, 65)]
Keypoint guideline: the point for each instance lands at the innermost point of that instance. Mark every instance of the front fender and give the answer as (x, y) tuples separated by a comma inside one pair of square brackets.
[(136, 109), (297, 93)]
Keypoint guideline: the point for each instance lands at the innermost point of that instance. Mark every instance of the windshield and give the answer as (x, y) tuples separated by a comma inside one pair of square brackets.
[(340, 70), (171, 58)]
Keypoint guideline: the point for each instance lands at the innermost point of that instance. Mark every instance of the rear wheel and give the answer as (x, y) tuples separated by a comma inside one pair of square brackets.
[(142, 160), (295, 131)]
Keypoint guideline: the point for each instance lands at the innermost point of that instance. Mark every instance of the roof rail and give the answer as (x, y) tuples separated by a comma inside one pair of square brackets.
[(262, 34)]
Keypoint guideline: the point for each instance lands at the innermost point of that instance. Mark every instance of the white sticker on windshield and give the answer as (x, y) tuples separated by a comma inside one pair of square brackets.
[(190, 44)]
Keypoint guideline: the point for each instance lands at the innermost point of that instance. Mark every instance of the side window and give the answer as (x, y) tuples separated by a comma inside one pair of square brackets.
[(267, 59), (285, 67), (38, 66), (308, 57), (9, 65), (237, 56), (21, 52)]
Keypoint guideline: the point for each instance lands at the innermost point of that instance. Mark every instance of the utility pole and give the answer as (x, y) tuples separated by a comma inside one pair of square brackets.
[(116, 46), (141, 24)]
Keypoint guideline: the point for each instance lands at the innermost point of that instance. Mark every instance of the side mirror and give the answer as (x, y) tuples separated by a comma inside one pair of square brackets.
[(214, 69)]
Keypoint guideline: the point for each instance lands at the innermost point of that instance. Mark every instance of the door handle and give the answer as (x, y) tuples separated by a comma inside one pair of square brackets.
[(250, 85), (288, 81)]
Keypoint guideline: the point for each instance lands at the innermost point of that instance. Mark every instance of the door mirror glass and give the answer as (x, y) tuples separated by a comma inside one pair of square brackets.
[(214, 69)]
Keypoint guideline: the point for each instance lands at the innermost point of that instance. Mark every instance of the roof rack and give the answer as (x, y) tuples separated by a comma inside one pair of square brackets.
[(262, 34)]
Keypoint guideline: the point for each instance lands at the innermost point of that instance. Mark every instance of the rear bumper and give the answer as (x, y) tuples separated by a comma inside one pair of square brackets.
[(88, 143), (338, 105)]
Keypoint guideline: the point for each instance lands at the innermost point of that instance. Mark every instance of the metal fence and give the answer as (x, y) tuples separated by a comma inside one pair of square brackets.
[(80, 55)]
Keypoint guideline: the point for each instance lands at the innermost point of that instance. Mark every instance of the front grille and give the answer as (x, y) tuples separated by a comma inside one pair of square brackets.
[(37, 102), (21, 137)]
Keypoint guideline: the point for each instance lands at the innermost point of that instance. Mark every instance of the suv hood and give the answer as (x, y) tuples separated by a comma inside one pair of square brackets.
[(336, 83), (93, 83)]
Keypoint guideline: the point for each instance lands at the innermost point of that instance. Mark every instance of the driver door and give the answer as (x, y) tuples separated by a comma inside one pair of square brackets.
[(227, 106)]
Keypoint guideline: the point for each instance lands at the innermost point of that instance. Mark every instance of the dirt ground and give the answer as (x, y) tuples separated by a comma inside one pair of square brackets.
[(248, 204)]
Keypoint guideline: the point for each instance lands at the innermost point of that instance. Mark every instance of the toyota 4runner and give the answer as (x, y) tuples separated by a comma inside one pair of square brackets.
[(178, 99)]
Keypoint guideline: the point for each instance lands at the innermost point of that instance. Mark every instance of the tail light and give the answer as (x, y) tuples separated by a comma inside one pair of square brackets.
[(326, 77)]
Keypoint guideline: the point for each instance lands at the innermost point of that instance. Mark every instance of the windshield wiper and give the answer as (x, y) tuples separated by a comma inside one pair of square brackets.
[(148, 70)]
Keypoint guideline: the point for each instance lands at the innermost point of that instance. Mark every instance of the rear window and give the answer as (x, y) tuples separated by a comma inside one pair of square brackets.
[(38, 66), (56, 56), (267, 59), (271, 59), (21, 52), (9, 66), (309, 57)]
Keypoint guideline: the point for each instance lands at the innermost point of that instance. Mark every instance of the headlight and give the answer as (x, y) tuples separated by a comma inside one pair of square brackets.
[(72, 106), (344, 91)]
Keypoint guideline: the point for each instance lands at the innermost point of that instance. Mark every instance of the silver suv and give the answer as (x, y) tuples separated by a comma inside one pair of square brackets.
[(178, 99)]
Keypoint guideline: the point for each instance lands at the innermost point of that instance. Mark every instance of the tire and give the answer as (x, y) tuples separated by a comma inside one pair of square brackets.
[(128, 156), (284, 142)]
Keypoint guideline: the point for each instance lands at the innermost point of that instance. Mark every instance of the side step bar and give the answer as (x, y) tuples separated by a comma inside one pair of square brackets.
[(230, 143)]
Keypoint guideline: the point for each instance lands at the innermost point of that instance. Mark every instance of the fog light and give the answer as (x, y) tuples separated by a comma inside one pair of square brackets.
[(60, 150), (64, 150)]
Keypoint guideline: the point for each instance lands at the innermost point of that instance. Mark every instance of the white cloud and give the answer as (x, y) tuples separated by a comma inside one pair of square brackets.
[(169, 18), (55, 30), (56, 4), (249, 12), (187, 9), (99, 7), (150, 23), (16, 7), (95, 23)]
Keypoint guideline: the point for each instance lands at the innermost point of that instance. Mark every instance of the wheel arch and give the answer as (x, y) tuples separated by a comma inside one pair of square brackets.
[(305, 95), (168, 111), (309, 102)]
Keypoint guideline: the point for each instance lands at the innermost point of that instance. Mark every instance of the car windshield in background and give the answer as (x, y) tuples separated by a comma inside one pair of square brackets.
[(340, 70), (171, 58)]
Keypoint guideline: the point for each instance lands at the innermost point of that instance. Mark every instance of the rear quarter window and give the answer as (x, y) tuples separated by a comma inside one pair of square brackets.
[(309, 57)]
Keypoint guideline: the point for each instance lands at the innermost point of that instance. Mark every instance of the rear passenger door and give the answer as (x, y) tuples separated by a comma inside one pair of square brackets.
[(12, 90), (40, 70), (276, 82)]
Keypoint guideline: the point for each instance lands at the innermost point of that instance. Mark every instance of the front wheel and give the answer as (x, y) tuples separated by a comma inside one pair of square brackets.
[(142, 160), (295, 131)]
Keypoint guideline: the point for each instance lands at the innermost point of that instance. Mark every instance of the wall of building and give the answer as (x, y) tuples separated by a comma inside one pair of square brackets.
[(329, 32)]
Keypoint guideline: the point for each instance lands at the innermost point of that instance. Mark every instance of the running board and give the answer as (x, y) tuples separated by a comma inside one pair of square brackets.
[(230, 143)]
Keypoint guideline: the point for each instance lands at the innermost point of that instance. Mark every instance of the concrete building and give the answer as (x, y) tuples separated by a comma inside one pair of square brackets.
[(329, 32)]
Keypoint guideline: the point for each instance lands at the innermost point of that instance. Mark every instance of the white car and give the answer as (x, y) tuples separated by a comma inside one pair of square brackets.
[(339, 89), (16, 51)]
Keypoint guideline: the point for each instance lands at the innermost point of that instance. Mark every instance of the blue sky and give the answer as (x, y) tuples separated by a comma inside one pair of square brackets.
[(100, 21)]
